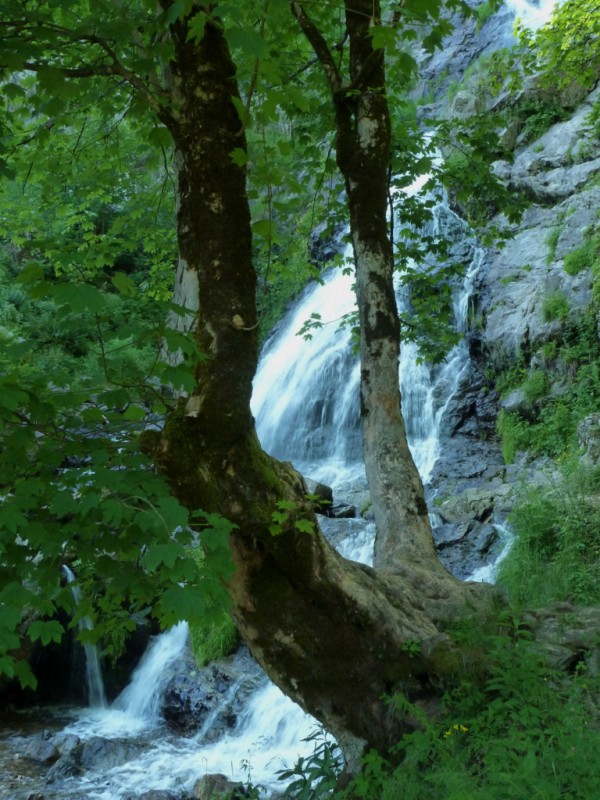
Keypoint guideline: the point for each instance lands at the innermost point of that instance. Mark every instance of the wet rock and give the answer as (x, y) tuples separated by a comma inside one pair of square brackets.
[(218, 787), (484, 536), (209, 697), (342, 511), (154, 794), (101, 754), (66, 742), (41, 750), (67, 766), (323, 495), (474, 504)]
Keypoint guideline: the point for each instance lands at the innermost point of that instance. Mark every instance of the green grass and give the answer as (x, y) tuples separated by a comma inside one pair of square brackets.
[(556, 555), (555, 306)]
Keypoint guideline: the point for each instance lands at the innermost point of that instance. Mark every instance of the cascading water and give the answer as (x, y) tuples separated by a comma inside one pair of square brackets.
[(93, 673), (306, 397), (142, 697)]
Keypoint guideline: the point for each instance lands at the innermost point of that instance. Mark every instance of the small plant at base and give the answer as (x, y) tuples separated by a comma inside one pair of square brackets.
[(316, 776), (552, 242)]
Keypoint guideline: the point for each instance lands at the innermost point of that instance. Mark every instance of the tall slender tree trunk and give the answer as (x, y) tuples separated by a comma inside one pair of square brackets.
[(403, 529)]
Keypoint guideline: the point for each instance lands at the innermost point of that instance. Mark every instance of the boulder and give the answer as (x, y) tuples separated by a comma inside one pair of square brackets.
[(473, 505), (323, 495), (342, 511), (209, 699), (67, 766), (217, 787), (101, 754), (41, 750)]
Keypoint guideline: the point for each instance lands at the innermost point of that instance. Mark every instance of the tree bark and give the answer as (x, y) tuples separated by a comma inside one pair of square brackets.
[(336, 636), (363, 155)]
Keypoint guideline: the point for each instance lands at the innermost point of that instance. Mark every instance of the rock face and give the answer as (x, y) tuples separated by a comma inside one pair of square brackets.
[(523, 297)]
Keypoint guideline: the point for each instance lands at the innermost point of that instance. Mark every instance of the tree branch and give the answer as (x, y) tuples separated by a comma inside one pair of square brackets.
[(319, 45)]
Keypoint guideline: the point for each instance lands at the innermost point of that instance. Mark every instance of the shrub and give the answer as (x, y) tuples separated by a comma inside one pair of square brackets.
[(536, 385), (214, 640), (517, 732), (555, 306), (579, 259), (556, 555)]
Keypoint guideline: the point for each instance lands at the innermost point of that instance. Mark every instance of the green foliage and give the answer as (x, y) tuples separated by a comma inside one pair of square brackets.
[(513, 730), (536, 113), (286, 517), (79, 380), (567, 48), (555, 306), (556, 555), (513, 434), (215, 640), (485, 10), (580, 259), (315, 776), (535, 386), (552, 419), (214, 636), (518, 731)]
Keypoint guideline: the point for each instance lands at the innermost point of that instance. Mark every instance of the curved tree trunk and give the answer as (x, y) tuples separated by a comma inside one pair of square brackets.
[(336, 636)]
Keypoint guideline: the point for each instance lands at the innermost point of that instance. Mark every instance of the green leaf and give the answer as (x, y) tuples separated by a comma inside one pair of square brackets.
[(383, 37), (175, 11), (124, 284), (45, 630), (304, 526), (248, 40), (196, 26), (31, 273), (160, 136), (79, 297), (239, 156), (166, 554)]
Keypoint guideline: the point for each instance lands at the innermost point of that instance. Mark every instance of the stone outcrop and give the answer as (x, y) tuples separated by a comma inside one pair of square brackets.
[(208, 700)]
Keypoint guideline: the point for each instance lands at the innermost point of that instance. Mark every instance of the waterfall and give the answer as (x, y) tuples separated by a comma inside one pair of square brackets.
[(142, 697), (93, 673), (306, 393)]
